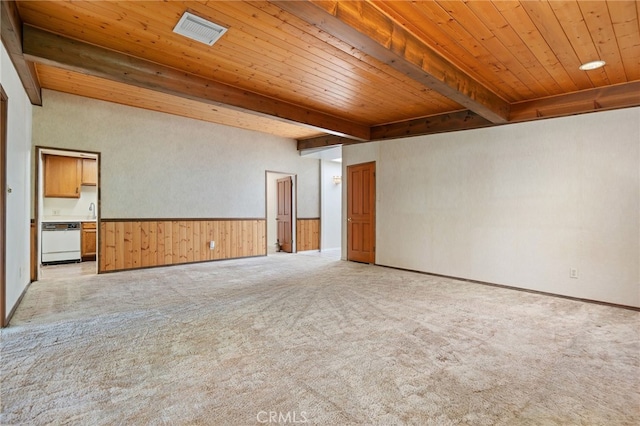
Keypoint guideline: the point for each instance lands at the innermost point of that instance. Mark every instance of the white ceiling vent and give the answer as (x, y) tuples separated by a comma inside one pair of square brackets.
[(199, 29)]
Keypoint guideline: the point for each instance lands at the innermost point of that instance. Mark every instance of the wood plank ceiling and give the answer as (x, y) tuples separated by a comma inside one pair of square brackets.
[(327, 72)]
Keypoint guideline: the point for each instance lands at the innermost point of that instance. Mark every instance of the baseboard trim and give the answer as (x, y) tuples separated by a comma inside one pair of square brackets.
[(179, 264), (7, 320), (527, 290)]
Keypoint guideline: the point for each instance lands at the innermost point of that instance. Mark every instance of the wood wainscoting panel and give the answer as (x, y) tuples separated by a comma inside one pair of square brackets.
[(308, 234), (132, 244)]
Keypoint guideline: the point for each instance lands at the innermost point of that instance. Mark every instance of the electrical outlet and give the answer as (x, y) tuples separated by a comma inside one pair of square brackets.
[(212, 245), (56, 212), (573, 273)]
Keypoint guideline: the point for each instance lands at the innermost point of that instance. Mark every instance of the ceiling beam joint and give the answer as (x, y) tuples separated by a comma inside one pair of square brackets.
[(11, 34), (52, 49), (440, 123), (369, 30)]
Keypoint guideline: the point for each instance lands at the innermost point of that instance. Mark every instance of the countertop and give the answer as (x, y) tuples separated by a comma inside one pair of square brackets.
[(65, 219)]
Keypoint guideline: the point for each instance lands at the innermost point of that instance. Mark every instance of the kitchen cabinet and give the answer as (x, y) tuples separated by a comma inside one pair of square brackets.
[(88, 241), (62, 176), (89, 171)]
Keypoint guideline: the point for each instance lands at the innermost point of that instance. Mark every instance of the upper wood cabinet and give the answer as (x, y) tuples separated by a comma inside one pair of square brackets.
[(62, 176), (89, 171)]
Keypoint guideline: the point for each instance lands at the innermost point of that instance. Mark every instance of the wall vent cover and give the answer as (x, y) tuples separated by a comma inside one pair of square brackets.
[(199, 29)]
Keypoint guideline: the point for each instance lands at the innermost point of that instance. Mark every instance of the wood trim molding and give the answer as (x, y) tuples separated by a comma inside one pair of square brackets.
[(178, 219), (369, 30), (135, 244), (56, 50), (11, 34), (4, 320), (15, 307), (509, 287), (33, 248)]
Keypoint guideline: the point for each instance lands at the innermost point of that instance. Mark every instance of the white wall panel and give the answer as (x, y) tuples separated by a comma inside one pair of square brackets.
[(518, 205), (19, 180), (331, 217), (156, 165)]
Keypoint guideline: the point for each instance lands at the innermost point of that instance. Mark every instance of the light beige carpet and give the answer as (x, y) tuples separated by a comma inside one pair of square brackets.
[(302, 338)]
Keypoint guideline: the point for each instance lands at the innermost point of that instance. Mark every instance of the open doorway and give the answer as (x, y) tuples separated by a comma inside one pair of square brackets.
[(67, 212), (280, 210), (330, 198)]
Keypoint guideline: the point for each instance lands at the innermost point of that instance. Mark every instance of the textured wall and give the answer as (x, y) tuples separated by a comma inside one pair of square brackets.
[(155, 165), (18, 163), (518, 205), (331, 227)]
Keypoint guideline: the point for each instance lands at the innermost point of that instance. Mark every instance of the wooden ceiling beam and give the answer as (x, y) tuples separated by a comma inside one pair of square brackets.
[(59, 51), (367, 29), (11, 34), (441, 123), (622, 95)]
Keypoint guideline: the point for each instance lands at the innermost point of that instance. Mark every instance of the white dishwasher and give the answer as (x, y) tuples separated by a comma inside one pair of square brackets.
[(60, 242)]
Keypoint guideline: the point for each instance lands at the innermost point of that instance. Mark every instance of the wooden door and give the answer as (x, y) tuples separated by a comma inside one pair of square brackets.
[(3, 200), (361, 213), (284, 219)]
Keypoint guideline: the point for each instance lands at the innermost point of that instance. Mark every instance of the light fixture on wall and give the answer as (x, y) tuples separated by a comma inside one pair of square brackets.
[(337, 180)]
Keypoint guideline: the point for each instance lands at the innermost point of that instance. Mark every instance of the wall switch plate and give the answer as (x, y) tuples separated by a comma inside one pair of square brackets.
[(573, 273), (212, 245)]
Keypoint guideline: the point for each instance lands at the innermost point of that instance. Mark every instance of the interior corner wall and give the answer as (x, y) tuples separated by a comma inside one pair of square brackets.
[(18, 163), (331, 205), (517, 205), (156, 165)]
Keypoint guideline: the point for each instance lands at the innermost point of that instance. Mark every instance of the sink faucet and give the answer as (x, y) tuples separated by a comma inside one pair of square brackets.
[(92, 208)]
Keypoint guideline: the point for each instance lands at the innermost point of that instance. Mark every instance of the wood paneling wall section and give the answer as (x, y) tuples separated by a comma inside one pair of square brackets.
[(308, 234), (132, 244)]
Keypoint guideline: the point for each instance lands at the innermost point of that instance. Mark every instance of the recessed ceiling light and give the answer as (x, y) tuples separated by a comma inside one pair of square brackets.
[(199, 29), (592, 65)]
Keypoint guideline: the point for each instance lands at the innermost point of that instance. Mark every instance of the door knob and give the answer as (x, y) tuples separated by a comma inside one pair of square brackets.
[(349, 219)]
